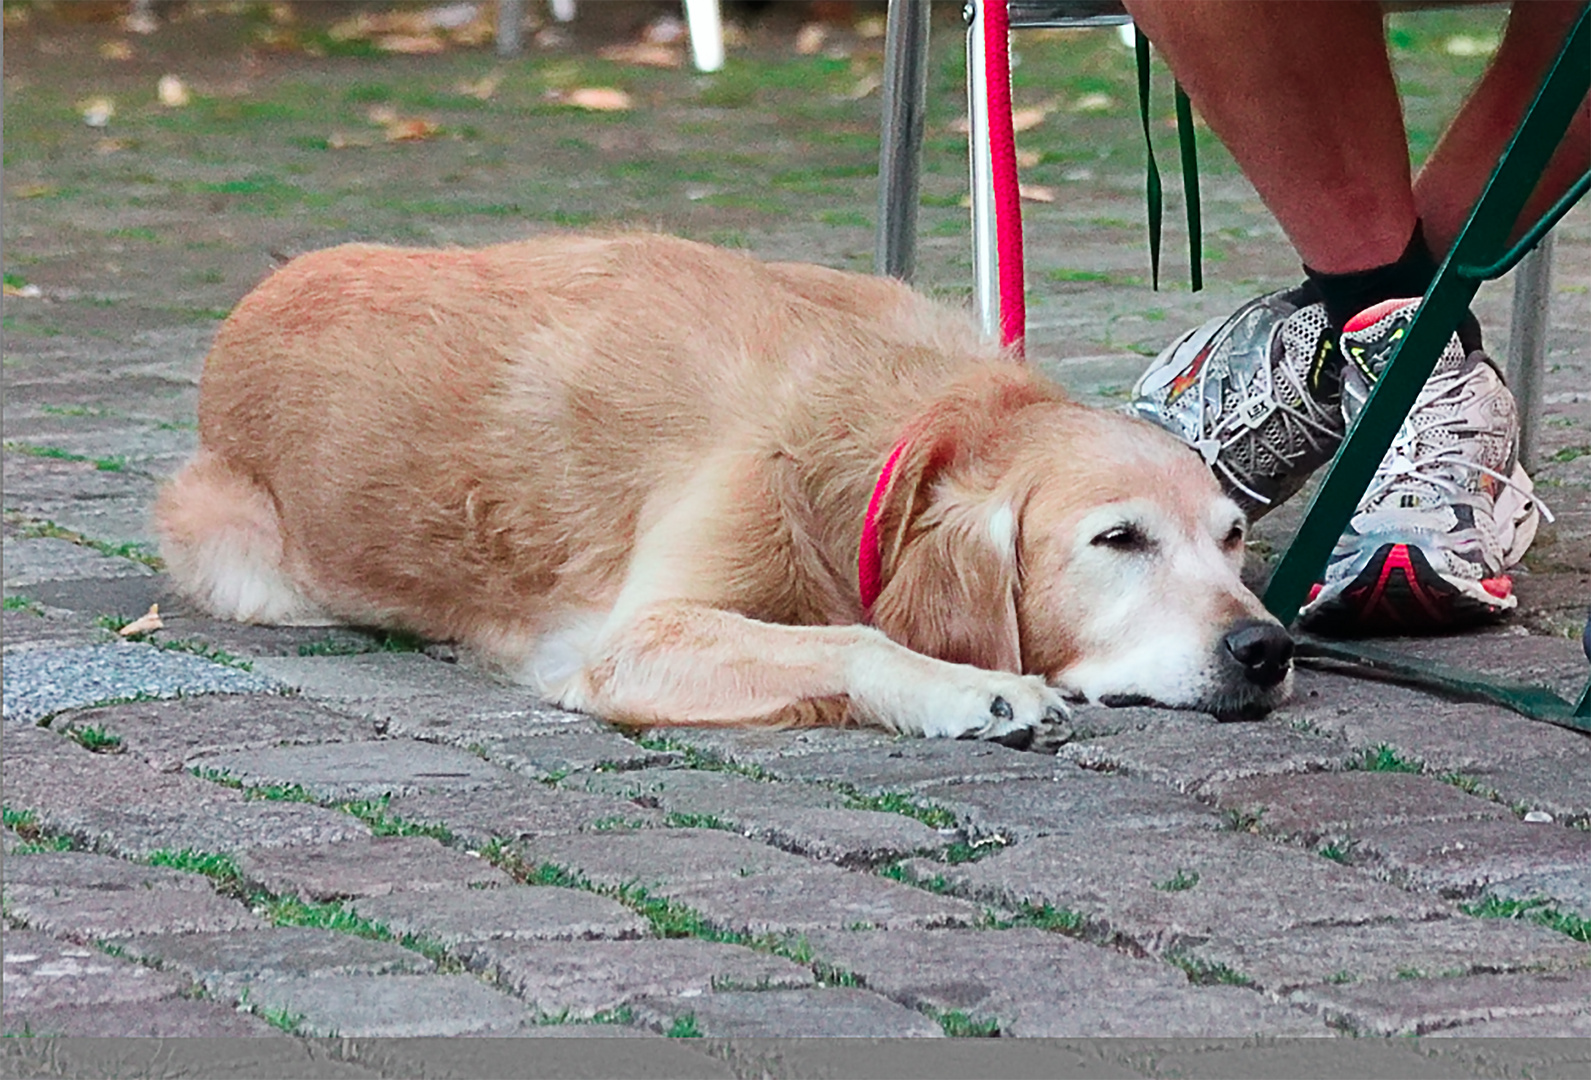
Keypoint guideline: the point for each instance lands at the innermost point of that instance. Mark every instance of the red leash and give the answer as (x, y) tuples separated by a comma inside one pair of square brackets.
[(1002, 162)]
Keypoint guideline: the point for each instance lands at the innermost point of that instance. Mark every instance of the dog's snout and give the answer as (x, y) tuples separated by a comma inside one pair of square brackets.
[(1263, 649)]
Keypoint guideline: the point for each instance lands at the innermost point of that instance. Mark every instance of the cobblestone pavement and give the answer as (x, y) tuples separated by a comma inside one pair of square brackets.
[(227, 830)]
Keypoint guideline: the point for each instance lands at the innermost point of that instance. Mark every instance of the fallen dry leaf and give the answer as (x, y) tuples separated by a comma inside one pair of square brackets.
[(116, 50), (665, 30), (482, 88), (411, 129), (338, 140), (597, 99), (26, 292), (1028, 119), (33, 191), (113, 145), (1036, 193), (410, 44), (96, 112), (171, 91), (643, 54), (810, 38), (865, 86), (146, 623)]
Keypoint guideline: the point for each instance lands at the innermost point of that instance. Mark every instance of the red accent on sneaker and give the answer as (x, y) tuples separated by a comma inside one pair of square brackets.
[(1375, 313), (1501, 586), (1314, 591)]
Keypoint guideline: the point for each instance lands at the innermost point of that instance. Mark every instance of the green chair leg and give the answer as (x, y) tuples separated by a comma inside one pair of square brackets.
[(1480, 247)]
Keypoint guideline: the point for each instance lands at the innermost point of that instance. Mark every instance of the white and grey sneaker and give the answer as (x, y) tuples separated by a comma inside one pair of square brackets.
[(1449, 510), (1254, 393)]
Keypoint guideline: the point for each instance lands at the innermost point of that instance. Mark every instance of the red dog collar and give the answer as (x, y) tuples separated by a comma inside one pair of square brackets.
[(868, 556)]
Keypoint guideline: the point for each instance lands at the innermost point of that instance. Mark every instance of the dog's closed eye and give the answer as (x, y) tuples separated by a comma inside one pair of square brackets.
[(1124, 538), (1234, 537)]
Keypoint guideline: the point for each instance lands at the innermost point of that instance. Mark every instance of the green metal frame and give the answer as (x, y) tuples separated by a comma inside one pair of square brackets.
[(1478, 253)]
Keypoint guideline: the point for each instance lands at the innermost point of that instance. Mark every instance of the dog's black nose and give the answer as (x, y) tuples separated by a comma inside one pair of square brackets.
[(1264, 650)]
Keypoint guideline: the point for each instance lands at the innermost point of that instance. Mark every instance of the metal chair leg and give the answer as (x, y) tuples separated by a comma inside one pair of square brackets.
[(900, 152), (1527, 343)]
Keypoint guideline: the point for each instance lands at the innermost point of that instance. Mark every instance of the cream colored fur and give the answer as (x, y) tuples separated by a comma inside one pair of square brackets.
[(632, 472)]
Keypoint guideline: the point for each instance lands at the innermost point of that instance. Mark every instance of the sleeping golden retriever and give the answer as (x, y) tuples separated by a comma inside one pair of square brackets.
[(668, 484)]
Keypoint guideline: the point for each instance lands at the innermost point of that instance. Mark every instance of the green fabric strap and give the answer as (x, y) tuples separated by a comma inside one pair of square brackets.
[(1152, 192), (1190, 188)]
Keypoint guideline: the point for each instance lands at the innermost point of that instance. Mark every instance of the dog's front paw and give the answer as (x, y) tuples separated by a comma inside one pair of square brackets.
[(1005, 709)]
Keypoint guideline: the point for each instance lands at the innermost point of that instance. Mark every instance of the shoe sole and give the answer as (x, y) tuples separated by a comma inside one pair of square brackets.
[(1398, 593)]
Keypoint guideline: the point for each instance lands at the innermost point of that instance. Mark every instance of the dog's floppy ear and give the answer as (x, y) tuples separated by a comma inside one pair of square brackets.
[(948, 533)]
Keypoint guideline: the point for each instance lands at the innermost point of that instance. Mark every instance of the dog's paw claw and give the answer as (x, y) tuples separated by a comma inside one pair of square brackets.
[(1000, 709), (1057, 714)]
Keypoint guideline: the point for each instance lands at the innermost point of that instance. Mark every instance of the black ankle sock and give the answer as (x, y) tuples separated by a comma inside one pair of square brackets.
[(1346, 295)]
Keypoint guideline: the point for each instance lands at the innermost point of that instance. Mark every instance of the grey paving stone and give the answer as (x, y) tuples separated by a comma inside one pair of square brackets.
[(1434, 948), (388, 1006), (819, 1013), (173, 1018), (41, 682), (30, 562), (706, 791), (1509, 654), (1577, 1026), (1570, 890), (988, 973), (84, 915), (555, 753), (1245, 886), (519, 809), (377, 866), (219, 826), (172, 735), (224, 962), (1196, 757), (575, 1030), (583, 978), (1445, 736), (519, 913), (1202, 1012), (869, 761), (51, 873), (1558, 786), (660, 857), (124, 595), (42, 973), (1418, 1006), (374, 676), (359, 770), (820, 898), (847, 837), (1073, 800), (1462, 859), (118, 804), (489, 711), (27, 630), (806, 819), (1311, 806)]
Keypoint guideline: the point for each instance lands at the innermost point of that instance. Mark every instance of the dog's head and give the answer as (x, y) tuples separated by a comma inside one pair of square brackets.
[(1028, 534)]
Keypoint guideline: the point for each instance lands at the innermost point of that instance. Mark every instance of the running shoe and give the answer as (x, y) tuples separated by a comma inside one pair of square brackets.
[(1256, 393), (1449, 510)]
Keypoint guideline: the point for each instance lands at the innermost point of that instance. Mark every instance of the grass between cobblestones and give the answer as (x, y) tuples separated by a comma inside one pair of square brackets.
[(23, 603), (888, 802), (1539, 910), (103, 464), (373, 812), (32, 528), (25, 823)]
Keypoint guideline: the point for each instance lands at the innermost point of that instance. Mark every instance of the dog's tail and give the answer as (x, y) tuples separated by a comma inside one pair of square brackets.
[(222, 542)]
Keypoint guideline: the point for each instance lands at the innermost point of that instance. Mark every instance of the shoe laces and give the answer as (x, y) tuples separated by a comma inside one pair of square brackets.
[(1407, 461)]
